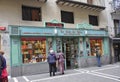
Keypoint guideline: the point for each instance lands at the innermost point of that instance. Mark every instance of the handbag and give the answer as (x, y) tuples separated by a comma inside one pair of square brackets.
[(4, 73)]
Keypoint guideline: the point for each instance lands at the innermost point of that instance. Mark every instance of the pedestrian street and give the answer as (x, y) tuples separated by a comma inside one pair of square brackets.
[(106, 73)]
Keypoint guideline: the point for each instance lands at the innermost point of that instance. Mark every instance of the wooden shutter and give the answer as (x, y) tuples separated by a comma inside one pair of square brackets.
[(35, 15)]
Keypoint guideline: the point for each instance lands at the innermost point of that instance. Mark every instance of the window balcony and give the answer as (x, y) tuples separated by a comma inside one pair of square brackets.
[(94, 5), (117, 31)]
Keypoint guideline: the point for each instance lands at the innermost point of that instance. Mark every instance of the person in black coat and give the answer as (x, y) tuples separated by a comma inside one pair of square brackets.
[(52, 62)]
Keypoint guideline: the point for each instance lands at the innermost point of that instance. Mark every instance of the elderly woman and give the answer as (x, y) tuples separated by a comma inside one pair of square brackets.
[(61, 60), (52, 62), (3, 66)]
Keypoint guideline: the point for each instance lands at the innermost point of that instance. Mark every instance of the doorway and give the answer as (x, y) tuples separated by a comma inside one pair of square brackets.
[(117, 51), (70, 48)]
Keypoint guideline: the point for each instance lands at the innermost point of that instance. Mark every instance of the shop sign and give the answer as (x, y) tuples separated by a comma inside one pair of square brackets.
[(95, 38), (57, 25), (37, 31), (2, 28), (96, 33), (70, 32), (32, 38)]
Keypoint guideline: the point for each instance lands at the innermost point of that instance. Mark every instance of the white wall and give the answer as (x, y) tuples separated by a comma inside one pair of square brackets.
[(109, 18), (12, 15)]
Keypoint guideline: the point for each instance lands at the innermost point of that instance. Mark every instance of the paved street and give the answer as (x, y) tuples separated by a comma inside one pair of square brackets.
[(107, 73)]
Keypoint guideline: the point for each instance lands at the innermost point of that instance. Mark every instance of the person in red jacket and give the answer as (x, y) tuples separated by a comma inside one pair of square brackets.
[(4, 74)]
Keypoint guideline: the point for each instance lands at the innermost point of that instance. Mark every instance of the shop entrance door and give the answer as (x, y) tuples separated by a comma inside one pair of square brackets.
[(117, 52), (70, 49)]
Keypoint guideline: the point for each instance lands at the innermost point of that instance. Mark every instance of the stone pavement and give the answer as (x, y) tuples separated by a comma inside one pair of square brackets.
[(106, 73)]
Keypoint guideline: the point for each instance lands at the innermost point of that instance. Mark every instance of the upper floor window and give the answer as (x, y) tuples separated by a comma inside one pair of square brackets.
[(116, 4), (31, 13), (117, 26), (90, 1), (67, 17), (93, 20)]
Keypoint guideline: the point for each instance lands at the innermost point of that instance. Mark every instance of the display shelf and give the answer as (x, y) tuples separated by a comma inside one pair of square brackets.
[(31, 51), (95, 43)]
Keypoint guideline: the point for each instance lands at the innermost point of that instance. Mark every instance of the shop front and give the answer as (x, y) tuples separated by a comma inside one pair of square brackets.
[(30, 47), (116, 47)]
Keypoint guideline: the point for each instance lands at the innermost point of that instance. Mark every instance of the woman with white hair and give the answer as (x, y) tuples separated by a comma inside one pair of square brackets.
[(52, 62)]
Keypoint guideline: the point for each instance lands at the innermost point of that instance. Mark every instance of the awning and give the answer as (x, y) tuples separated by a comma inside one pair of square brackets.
[(116, 40), (80, 5)]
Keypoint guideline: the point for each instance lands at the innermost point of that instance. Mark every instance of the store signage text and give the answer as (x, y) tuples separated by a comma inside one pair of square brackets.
[(35, 33), (70, 32), (57, 25)]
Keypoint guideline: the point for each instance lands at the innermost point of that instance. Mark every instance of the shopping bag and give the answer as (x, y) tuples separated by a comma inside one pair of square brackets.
[(4, 73)]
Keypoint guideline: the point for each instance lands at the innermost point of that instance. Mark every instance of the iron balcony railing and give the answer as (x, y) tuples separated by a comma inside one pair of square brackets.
[(117, 31), (92, 2), (94, 5)]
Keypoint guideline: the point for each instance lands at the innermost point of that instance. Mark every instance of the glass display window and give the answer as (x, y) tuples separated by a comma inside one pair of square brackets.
[(58, 45), (50, 43), (33, 49), (94, 44)]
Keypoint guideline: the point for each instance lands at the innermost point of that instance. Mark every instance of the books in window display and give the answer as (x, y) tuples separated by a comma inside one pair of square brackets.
[(29, 46), (36, 51), (25, 52)]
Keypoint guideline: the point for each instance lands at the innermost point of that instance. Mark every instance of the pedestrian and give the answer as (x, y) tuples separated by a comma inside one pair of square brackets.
[(4, 74), (61, 60), (98, 56), (52, 62), (0, 66)]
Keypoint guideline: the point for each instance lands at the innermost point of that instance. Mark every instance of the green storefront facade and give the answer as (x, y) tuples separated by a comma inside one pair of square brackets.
[(30, 47)]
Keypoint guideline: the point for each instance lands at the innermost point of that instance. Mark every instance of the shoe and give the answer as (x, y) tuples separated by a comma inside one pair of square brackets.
[(53, 74), (63, 73), (50, 74)]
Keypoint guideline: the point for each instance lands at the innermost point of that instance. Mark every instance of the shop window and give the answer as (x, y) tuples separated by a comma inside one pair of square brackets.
[(31, 13), (93, 20), (33, 49), (67, 17), (50, 43), (94, 44), (58, 45)]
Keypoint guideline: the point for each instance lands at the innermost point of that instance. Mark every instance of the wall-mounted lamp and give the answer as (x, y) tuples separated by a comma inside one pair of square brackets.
[(55, 31), (85, 31)]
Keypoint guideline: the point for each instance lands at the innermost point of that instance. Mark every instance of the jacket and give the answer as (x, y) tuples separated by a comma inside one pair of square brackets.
[(51, 58)]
